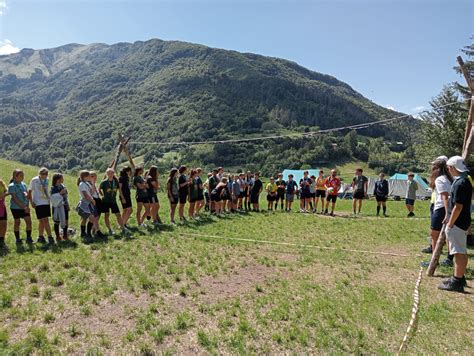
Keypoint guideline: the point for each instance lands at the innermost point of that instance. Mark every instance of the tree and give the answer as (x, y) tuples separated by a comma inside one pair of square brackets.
[(443, 126), (469, 62)]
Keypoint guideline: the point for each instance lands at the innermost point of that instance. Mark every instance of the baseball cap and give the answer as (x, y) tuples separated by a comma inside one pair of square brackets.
[(440, 158), (458, 163)]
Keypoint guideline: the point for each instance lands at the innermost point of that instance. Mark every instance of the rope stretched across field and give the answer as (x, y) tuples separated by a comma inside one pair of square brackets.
[(293, 135), (414, 314), (281, 243)]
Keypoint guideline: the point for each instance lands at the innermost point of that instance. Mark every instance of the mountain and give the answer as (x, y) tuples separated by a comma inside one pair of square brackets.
[(63, 107)]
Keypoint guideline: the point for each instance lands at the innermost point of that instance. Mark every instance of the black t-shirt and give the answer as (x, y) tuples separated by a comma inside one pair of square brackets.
[(151, 190), (279, 183), (305, 184), (461, 193), (181, 180), (359, 183), (290, 187), (125, 186), (257, 185)]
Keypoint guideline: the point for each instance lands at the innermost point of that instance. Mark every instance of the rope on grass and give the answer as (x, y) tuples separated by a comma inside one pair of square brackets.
[(280, 243), (414, 314)]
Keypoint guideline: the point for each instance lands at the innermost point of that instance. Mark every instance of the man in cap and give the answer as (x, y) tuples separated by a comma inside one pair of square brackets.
[(457, 222)]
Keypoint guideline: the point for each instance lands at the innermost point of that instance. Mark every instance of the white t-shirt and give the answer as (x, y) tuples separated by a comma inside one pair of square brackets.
[(39, 191), (443, 185), (84, 187)]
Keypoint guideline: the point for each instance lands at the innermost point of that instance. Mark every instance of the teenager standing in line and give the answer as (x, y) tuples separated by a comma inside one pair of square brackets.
[(333, 184), (320, 191), (19, 205), (108, 189), (143, 202), (172, 190), (281, 187), (291, 189), (381, 194), (412, 187), (3, 213), (125, 196), (60, 203), (359, 188), (38, 194)]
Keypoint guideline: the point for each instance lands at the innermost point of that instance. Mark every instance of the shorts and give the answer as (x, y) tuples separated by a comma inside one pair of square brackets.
[(290, 197), (4, 216), (200, 196), (66, 214), (305, 195), (457, 238), (320, 194), (183, 197), (113, 207), (381, 198), (410, 201), (174, 199), (127, 204), (254, 198), (97, 209), (143, 200), (153, 198), (358, 195), (280, 196), (332, 198), (43, 211), (271, 197), (312, 195), (215, 197), (437, 218), (19, 213)]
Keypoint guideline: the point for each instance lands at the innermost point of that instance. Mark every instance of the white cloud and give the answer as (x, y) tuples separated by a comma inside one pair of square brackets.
[(390, 107), (3, 6), (7, 47)]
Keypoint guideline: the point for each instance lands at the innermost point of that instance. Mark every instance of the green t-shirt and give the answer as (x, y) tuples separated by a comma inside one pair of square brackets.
[(109, 188)]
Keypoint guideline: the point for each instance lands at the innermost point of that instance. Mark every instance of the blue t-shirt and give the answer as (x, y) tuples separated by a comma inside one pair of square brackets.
[(19, 190), (290, 186)]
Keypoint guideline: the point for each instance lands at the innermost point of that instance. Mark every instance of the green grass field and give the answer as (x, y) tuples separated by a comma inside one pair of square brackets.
[(188, 290)]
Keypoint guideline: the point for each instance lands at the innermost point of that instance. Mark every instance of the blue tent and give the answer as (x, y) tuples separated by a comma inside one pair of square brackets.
[(298, 173), (418, 179)]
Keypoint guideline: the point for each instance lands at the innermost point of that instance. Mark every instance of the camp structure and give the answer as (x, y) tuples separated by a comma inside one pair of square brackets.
[(299, 173)]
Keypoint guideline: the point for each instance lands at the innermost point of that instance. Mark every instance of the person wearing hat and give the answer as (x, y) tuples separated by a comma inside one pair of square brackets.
[(412, 187), (457, 222)]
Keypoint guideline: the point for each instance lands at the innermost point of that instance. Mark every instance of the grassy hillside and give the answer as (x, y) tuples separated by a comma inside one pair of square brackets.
[(196, 288), (63, 107)]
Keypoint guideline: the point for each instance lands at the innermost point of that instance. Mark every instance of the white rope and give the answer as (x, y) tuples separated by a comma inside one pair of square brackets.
[(414, 313), (280, 243), (296, 134)]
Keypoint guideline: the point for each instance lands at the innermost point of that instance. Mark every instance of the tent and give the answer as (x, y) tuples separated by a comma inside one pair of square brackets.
[(298, 173), (397, 186)]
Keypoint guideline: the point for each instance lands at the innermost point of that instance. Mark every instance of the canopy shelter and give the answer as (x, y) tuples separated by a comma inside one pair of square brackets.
[(397, 186), (299, 173)]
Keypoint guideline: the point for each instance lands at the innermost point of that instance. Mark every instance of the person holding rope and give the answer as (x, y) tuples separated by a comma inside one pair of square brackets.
[(458, 220)]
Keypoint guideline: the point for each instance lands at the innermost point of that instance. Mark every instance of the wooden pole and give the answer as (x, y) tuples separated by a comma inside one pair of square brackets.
[(467, 146), (119, 150)]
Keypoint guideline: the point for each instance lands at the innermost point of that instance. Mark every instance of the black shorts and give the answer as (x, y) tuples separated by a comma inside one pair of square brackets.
[(320, 193), (128, 203), (200, 196), (110, 207), (183, 197), (66, 214), (271, 197), (332, 198), (254, 198), (143, 199), (4, 215), (98, 207), (305, 195), (193, 200), (437, 218), (280, 196), (43, 211), (174, 199), (19, 213), (215, 197), (153, 198), (381, 198), (358, 195), (242, 194), (312, 195)]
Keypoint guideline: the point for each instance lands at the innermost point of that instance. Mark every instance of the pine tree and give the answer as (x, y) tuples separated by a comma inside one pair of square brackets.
[(469, 62)]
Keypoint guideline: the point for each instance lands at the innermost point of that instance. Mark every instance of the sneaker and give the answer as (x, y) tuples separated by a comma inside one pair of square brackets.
[(447, 263), (41, 240), (410, 215), (111, 232), (428, 249), (88, 239), (100, 234), (51, 240), (29, 240), (451, 284), (385, 215), (332, 214)]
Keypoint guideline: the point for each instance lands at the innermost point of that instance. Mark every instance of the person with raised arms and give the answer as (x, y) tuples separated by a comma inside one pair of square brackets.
[(360, 185), (381, 194), (291, 189), (38, 194), (125, 194), (19, 205), (3, 213), (108, 189), (333, 184)]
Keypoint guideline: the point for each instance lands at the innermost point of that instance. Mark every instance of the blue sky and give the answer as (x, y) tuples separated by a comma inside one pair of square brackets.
[(398, 53)]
